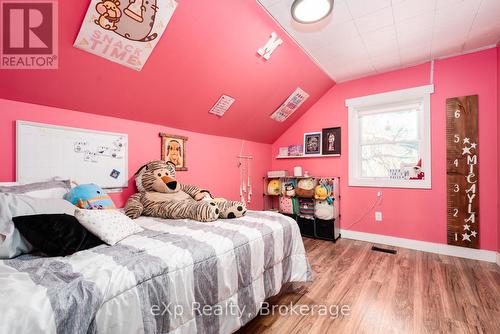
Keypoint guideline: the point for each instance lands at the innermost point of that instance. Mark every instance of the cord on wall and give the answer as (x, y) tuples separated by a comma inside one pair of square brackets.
[(375, 203)]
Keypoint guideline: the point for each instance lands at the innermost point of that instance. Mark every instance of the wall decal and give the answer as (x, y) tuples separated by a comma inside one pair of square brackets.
[(293, 102), (124, 32), (462, 171), (222, 105), (267, 50)]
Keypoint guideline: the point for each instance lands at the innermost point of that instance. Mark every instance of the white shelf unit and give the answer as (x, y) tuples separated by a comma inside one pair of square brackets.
[(309, 227)]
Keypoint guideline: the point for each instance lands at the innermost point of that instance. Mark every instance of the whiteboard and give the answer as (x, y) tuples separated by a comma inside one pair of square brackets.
[(45, 151)]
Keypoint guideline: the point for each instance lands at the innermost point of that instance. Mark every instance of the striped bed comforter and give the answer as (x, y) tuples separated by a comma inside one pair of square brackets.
[(178, 276)]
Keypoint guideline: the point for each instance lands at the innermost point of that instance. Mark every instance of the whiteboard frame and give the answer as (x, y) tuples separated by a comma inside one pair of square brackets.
[(20, 123)]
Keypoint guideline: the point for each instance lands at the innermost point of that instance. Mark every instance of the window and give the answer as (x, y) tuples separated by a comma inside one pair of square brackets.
[(389, 139)]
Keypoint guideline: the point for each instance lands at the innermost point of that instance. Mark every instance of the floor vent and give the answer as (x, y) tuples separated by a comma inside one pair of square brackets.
[(384, 250)]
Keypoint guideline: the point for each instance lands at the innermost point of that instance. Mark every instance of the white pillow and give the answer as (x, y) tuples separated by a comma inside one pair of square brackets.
[(54, 188), (110, 226), (12, 243)]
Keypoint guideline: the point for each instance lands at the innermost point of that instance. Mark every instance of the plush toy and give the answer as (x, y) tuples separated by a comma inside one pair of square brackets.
[(306, 207), (305, 188), (89, 196), (323, 192), (286, 205), (274, 187), (417, 174), (323, 210), (289, 188), (161, 195), (320, 192)]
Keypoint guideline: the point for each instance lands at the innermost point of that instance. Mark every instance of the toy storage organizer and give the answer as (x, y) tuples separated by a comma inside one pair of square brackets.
[(314, 202)]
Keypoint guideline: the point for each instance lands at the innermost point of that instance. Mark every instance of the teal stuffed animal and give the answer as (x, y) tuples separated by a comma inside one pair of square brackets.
[(89, 196)]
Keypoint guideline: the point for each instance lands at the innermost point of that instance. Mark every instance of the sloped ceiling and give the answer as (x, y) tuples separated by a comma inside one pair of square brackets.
[(208, 49)]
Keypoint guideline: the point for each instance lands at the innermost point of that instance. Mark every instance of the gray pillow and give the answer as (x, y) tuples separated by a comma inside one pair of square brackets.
[(12, 205), (54, 188)]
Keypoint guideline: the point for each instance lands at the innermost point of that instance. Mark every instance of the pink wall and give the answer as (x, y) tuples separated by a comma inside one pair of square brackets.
[(412, 214), (209, 48), (211, 159), (498, 147)]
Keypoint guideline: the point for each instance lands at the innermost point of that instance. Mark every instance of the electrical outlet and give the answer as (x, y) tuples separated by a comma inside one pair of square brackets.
[(378, 216)]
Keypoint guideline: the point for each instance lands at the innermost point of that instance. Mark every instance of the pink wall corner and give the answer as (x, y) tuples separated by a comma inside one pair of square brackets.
[(412, 214), (212, 159)]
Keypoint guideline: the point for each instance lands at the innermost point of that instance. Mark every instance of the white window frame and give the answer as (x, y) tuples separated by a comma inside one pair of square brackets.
[(358, 105)]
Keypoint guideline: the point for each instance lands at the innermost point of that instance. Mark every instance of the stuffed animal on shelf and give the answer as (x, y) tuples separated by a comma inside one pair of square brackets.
[(320, 192), (274, 187), (161, 195), (89, 196), (323, 192), (286, 205), (305, 188), (289, 187), (306, 207), (323, 210)]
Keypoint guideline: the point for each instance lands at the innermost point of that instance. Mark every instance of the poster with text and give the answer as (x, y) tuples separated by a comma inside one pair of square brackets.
[(126, 31), (291, 105)]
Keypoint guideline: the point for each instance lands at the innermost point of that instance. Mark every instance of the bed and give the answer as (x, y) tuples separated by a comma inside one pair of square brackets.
[(177, 276)]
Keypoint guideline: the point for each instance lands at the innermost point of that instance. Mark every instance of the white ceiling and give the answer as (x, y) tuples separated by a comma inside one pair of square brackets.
[(364, 37)]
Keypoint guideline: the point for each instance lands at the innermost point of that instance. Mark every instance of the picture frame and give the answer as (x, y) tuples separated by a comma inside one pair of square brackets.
[(295, 150), (331, 141), (312, 143), (173, 148), (283, 152)]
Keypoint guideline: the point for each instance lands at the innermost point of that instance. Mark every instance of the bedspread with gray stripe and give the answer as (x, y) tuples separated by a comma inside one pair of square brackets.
[(178, 276)]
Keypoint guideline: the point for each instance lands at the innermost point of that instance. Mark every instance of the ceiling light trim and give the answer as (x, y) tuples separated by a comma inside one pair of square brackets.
[(296, 3)]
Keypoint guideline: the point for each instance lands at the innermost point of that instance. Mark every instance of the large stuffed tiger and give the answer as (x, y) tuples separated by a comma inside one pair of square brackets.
[(160, 195)]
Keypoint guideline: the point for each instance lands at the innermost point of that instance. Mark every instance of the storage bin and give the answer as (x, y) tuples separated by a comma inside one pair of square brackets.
[(306, 226)]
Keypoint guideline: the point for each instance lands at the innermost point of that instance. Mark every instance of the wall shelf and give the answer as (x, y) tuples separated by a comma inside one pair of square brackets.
[(308, 156)]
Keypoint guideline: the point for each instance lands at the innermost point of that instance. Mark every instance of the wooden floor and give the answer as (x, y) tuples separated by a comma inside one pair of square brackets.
[(411, 292)]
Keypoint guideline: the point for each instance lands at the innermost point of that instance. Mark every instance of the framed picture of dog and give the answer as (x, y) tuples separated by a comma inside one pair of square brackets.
[(173, 148), (331, 141)]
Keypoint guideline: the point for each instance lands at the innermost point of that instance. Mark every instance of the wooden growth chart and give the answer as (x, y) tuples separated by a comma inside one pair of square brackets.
[(462, 171)]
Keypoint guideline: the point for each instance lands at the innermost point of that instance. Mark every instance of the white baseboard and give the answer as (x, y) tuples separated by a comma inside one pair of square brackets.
[(424, 246)]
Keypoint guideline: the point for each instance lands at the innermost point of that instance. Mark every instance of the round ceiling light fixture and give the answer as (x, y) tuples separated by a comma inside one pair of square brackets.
[(311, 11)]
